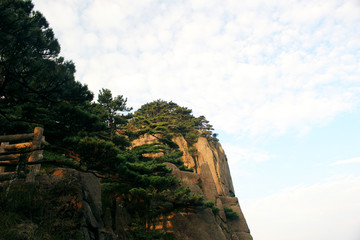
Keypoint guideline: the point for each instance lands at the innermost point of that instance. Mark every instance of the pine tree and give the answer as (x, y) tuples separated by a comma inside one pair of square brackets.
[(37, 86), (111, 110), (169, 120)]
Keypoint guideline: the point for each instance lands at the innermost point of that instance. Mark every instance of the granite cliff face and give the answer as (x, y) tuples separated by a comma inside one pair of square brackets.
[(75, 199), (211, 178)]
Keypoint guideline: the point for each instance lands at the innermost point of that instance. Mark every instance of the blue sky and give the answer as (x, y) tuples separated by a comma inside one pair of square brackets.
[(302, 160), (279, 80)]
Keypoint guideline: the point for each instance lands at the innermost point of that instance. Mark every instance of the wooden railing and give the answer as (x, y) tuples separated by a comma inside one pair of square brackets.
[(11, 153)]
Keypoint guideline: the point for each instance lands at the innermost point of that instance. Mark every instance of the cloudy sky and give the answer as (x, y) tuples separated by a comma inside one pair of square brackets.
[(279, 80)]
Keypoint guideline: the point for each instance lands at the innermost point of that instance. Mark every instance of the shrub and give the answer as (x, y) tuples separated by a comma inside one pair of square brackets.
[(231, 214), (45, 211), (215, 210), (209, 204)]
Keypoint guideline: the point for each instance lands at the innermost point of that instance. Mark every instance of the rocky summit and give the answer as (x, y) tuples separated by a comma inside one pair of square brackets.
[(211, 178), (76, 168)]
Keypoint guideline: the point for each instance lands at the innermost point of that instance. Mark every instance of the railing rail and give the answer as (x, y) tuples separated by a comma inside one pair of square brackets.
[(11, 153)]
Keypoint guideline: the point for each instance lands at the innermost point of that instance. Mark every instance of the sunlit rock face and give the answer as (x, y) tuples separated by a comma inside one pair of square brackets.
[(211, 178), (88, 195), (60, 202)]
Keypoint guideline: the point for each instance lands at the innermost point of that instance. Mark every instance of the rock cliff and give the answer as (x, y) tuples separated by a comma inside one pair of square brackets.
[(61, 204), (72, 204), (211, 178)]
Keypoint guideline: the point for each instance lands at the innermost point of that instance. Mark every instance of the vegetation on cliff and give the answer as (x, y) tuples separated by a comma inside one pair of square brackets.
[(169, 119), (44, 211), (38, 88)]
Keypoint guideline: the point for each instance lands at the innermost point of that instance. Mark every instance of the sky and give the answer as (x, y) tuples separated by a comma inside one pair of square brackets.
[(278, 80)]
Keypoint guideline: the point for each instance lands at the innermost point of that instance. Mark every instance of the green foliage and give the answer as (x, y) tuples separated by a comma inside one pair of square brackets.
[(54, 156), (8, 220), (215, 210), (32, 212), (193, 151), (121, 141), (174, 157), (209, 204), (95, 153), (183, 197), (139, 232), (37, 86), (185, 168), (169, 119), (154, 203), (110, 109), (231, 214)]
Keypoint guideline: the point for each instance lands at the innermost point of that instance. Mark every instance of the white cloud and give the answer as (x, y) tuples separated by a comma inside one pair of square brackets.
[(272, 67), (346, 161), (252, 67), (317, 212), (239, 155), (90, 40)]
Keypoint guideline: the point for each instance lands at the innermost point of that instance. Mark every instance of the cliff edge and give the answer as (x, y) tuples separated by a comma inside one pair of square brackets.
[(211, 178)]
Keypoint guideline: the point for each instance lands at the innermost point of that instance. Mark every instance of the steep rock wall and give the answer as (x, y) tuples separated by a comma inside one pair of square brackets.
[(89, 193), (211, 178), (61, 203), (212, 154)]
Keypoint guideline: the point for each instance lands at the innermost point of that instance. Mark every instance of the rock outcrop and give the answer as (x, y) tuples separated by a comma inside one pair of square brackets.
[(86, 194), (211, 178), (75, 199)]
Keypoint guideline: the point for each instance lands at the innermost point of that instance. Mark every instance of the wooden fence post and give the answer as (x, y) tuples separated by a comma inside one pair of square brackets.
[(36, 154), (2, 150)]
